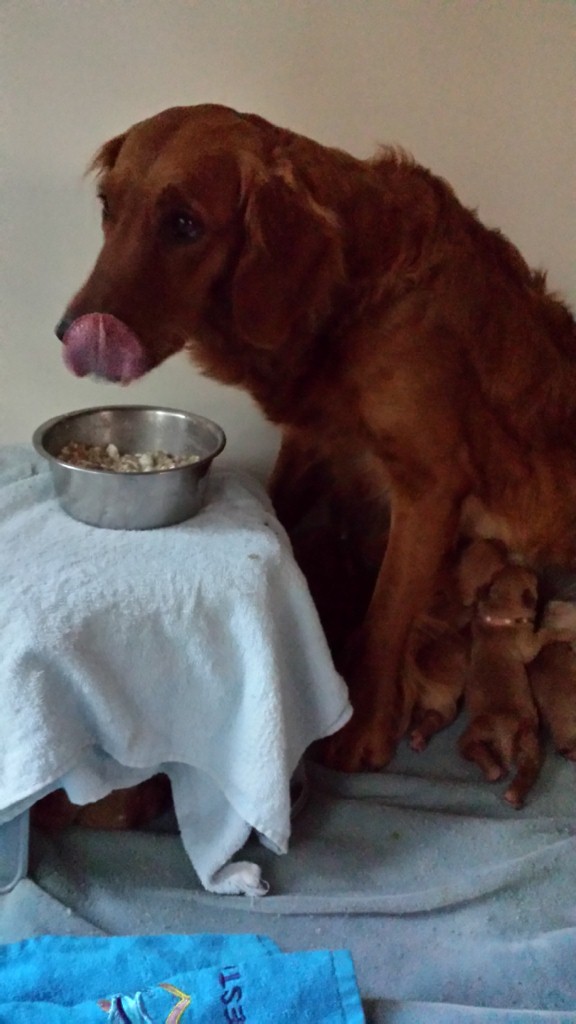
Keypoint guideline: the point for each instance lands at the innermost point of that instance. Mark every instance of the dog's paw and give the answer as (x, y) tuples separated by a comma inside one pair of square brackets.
[(358, 747), (501, 743)]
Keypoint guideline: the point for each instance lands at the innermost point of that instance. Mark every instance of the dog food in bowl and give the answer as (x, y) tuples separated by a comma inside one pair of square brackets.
[(100, 480), (96, 456)]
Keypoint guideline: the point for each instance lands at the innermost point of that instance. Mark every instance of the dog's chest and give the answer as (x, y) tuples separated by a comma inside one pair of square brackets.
[(536, 529), (478, 520)]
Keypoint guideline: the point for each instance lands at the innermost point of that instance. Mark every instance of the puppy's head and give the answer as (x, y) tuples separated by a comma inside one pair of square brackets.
[(209, 243), (510, 599)]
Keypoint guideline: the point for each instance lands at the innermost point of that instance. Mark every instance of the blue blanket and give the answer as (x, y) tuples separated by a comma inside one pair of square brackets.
[(153, 979)]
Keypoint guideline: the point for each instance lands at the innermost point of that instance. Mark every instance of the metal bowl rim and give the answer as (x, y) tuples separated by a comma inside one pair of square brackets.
[(38, 435)]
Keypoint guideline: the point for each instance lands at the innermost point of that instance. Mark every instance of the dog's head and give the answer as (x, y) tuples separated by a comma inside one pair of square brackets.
[(211, 243)]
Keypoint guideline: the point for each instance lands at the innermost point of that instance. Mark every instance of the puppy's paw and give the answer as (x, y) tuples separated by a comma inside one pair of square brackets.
[(560, 617), (501, 743), (425, 725)]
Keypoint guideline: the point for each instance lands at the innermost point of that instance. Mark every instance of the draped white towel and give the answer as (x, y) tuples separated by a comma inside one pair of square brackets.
[(194, 650)]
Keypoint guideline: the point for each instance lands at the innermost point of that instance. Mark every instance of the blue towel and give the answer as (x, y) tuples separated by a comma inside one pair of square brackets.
[(56, 969), (157, 979)]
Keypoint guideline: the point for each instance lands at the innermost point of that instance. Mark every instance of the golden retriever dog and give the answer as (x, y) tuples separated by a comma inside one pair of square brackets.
[(389, 334)]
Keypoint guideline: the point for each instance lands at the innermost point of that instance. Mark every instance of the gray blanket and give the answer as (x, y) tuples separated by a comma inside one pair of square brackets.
[(456, 908)]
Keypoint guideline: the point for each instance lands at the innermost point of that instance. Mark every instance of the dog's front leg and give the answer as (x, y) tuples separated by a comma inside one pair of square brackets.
[(422, 531), (298, 480)]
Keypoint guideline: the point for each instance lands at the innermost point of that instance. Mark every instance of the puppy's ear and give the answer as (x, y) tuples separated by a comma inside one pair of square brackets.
[(290, 265), (483, 593), (480, 562)]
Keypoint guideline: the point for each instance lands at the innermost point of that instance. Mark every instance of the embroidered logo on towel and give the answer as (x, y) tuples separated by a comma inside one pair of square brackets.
[(176, 1014), (125, 1009), (128, 1010)]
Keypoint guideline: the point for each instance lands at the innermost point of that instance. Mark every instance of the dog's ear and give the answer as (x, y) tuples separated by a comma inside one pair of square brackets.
[(290, 264), (105, 158), (529, 599)]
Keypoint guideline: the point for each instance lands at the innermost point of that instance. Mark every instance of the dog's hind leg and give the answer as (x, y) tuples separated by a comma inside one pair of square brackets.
[(422, 531)]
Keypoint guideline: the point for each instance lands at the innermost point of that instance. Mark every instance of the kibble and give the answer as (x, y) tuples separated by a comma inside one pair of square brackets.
[(94, 456)]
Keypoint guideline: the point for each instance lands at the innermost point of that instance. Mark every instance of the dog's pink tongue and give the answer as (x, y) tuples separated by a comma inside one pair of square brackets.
[(98, 343)]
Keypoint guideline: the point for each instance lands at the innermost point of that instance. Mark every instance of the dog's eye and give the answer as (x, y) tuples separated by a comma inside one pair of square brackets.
[(105, 205), (184, 227)]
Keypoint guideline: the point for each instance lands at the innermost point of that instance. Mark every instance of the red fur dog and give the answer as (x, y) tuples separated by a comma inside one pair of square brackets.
[(388, 333)]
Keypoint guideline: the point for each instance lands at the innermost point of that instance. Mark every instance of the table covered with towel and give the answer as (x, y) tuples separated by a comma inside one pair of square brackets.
[(193, 650)]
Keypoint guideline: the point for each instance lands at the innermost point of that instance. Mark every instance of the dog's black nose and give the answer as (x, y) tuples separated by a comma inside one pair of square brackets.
[(62, 326)]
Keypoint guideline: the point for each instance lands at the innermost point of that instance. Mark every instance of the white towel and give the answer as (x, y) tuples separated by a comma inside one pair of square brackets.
[(193, 650)]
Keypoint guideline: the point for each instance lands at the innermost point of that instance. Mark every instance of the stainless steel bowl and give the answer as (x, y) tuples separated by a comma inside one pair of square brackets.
[(131, 501)]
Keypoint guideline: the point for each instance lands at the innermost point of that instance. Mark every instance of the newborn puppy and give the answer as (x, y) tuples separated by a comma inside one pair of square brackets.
[(435, 668), (130, 808), (552, 678), (437, 653), (504, 727)]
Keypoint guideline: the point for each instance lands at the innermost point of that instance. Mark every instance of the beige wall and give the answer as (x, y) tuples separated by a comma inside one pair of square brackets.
[(482, 91)]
